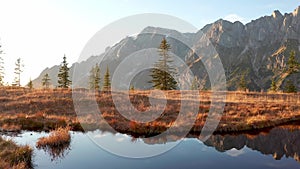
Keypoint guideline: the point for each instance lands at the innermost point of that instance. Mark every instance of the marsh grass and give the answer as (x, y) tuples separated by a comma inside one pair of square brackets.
[(57, 143), (45, 110), (14, 156), (57, 137)]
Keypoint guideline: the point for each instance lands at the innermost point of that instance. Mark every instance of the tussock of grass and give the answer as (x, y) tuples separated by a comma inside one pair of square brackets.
[(14, 156), (57, 143), (58, 137)]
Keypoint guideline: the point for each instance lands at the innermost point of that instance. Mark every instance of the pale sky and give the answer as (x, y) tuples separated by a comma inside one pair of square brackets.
[(40, 32)]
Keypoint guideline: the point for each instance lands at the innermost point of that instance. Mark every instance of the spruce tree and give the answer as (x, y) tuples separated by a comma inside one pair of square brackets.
[(290, 87), (242, 84), (94, 78), (18, 71), (163, 72), (30, 84), (293, 65), (273, 87), (46, 81), (63, 74), (131, 87), (106, 80)]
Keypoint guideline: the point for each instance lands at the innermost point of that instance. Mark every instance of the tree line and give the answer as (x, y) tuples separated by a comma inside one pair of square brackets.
[(65, 82)]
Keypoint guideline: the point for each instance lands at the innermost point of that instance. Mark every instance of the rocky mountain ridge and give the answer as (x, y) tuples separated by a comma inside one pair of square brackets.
[(253, 49)]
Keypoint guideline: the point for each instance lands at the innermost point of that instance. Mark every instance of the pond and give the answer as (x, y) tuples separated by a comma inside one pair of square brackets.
[(276, 148)]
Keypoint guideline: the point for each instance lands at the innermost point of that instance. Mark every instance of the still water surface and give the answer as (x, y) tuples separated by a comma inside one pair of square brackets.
[(277, 148)]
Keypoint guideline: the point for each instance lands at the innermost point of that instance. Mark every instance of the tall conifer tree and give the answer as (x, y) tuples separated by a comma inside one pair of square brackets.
[(163, 72), (63, 74)]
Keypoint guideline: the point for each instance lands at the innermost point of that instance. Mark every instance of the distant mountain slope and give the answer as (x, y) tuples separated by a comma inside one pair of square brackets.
[(255, 49)]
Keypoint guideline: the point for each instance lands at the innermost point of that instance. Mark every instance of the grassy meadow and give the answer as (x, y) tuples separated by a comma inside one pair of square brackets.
[(46, 110)]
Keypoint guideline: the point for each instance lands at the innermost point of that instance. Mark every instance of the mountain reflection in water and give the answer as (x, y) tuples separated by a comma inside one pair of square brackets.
[(279, 141), (243, 150)]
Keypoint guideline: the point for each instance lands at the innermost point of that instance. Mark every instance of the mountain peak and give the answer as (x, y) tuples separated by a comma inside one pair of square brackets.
[(149, 29), (222, 21), (152, 29), (276, 14), (296, 11)]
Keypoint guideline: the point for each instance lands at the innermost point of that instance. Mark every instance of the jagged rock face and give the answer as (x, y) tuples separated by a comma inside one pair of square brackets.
[(252, 48), (224, 33), (249, 47)]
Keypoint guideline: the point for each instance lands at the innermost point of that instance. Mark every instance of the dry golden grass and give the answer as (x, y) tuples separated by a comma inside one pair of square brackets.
[(57, 137), (57, 143), (242, 111), (14, 156), (48, 109)]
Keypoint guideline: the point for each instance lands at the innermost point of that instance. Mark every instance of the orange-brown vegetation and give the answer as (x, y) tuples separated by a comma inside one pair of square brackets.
[(38, 110), (14, 156), (56, 143), (48, 109), (56, 137)]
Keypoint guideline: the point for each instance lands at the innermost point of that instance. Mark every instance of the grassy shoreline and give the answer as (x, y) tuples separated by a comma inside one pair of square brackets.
[(14, 156), (45, 110)]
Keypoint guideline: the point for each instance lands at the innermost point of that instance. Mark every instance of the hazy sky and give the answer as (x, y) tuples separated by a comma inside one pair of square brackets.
[(41, 32)]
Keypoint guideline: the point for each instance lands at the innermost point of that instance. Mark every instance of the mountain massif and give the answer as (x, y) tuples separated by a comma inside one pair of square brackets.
[(258, 51)]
